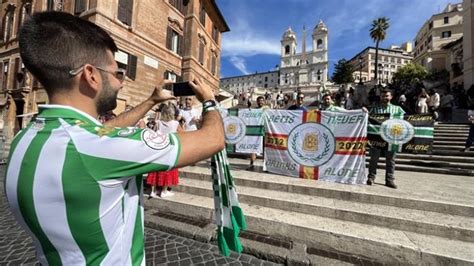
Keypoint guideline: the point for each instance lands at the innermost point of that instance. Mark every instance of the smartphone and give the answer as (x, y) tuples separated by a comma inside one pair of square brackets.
[(182, 89)]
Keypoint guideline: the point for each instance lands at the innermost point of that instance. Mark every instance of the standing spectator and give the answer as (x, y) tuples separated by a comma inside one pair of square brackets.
[(470, 137), (385, 107), (294, 96), (299, 103), (253, 156), (433, 103), (350, 103), (190, 115), (446, 106), (164, 179), (328, 104), (422, 102)]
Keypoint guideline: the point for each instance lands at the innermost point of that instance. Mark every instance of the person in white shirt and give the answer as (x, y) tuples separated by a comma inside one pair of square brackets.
[(433, 103), (191, 116)]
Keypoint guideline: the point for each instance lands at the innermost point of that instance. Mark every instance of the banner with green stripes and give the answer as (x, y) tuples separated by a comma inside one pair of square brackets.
[(244, 130), (412, 134)]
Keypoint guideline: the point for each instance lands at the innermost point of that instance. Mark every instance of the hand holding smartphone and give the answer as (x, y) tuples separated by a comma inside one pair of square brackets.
[(182, 89)]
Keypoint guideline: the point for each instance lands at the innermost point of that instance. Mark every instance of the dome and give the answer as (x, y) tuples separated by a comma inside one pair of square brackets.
[(321, 27), (289, 34)]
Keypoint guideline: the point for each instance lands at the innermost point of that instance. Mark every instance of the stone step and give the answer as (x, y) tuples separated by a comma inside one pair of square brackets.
[(367, 241), (430, 164), (420, 193), (432, 223), (448, 135), (449, 138), (455, 142), (451, 132), (437, 158)]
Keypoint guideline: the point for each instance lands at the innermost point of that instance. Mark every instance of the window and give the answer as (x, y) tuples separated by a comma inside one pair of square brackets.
[(446, 34), (430, 38), (319, 44), (180, 5), (55, 5), (170, 75), (201, 53), (5, 75), (7, 24), (174, 41), (80, 6), (446, 20), (287, 49), (125, 11), (202, 15), (127, 61), (266, 79), (215, 34), (24, 12)]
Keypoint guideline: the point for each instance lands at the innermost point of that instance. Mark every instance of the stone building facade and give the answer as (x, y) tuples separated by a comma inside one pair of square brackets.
[(390, 60), (439, 30), (238, 84), (163, 39)]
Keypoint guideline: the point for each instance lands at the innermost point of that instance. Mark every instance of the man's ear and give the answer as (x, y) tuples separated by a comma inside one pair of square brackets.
[(92, 77)]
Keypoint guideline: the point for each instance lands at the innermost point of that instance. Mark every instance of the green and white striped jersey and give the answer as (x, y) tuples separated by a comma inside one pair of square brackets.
[(76, 186), (395, 111)]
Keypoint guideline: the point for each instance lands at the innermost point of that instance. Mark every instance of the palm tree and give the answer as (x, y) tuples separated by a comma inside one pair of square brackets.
[(378, 32)]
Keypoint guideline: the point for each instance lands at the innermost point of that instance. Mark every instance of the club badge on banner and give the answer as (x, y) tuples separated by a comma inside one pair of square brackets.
[(244, 130), (319, 145)]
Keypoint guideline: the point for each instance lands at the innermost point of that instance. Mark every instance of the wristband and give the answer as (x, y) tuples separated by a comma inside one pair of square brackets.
[(208, 104)]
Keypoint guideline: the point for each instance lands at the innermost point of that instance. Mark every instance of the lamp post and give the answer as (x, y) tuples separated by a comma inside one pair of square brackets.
[(360, 69)]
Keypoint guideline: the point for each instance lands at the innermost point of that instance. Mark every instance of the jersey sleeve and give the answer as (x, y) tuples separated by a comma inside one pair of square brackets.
[(110, 153)]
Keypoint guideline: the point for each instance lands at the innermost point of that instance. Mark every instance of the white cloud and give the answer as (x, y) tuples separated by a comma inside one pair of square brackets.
[(239, 63)]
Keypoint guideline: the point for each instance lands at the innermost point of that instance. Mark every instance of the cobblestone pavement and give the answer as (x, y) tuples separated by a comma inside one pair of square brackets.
[(16, 247)]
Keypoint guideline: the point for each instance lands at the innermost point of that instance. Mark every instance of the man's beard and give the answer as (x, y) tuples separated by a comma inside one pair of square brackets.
[(107, 100)]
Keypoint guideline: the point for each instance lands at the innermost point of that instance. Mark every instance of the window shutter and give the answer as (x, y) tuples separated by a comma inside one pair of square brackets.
[(169, 33), (180, 45), (129, 12), (80, 6), (132, 66), (122, 11)]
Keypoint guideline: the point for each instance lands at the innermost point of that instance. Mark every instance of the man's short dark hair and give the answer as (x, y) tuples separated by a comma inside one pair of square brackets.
[(386, 91), (54, 43), (326, 95), (260, 97)]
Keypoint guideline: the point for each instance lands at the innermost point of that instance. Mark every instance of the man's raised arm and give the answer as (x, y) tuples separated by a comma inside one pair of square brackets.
[(130, 118)]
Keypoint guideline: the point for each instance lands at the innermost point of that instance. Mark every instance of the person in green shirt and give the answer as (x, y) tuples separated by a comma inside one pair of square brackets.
[(395, 111), (73, 183)]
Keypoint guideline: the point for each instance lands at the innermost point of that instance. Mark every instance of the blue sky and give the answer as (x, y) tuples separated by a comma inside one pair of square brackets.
[(253, 44)]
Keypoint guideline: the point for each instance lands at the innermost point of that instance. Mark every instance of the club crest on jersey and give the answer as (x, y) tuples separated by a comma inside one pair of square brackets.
[(126, 132), (155, 140)]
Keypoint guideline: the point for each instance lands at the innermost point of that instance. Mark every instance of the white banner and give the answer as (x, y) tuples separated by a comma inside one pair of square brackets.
[(319, 145)]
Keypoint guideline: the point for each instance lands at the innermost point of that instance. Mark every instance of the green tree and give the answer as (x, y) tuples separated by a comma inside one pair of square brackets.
[(343, 72), (378, 32), (409, 74)]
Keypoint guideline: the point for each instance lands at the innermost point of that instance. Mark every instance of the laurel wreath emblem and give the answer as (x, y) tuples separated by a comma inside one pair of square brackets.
[(327, 148)]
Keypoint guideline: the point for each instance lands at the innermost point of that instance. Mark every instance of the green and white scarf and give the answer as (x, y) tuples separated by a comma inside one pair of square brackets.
[(228, 214)]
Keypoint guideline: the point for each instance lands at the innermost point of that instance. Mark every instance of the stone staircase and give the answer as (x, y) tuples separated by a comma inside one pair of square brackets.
[(428, 220)]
